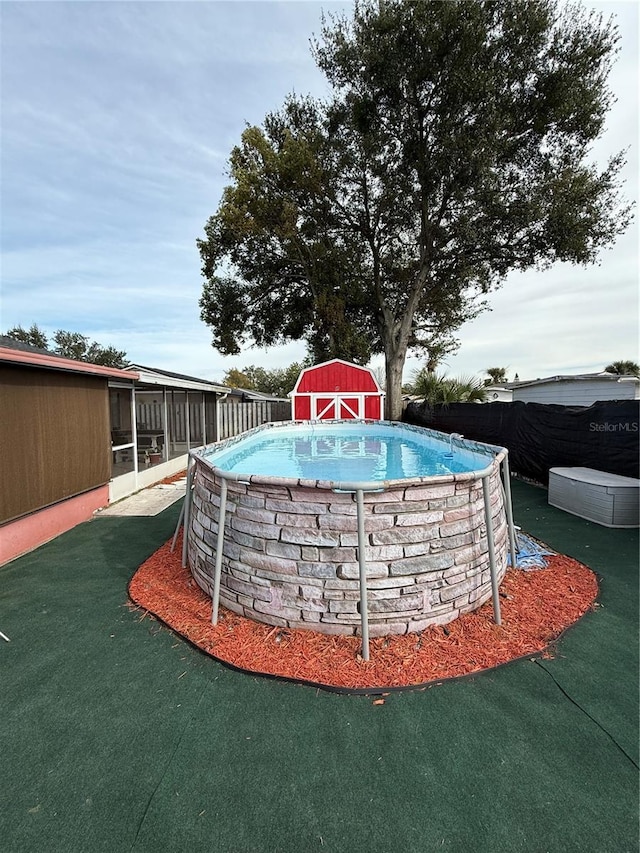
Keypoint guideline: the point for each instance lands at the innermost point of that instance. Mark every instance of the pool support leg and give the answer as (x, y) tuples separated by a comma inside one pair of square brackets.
[(187, 514), (509, 508), (180, 517), (362, 569), (177, 530), (215, 598), (492, 551)]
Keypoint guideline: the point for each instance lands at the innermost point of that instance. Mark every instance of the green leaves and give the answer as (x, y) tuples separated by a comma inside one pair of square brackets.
[(71, 345), (624, 368), (278, 382), (453, 150), (34, 336), (437, 389), (292, 272)]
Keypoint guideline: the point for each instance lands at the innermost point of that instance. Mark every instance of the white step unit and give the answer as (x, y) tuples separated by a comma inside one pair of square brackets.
[(607, 499)]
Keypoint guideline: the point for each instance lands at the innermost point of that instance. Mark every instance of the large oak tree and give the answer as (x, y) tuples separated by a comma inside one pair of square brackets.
[(455, 148)]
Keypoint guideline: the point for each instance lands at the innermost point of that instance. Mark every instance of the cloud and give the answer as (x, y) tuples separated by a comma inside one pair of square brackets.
[(118, 120)]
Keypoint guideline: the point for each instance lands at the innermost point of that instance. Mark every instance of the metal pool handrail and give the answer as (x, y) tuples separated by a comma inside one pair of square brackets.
[(359, 488)]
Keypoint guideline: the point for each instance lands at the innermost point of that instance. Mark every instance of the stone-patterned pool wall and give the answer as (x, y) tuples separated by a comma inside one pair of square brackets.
[(290, 551)]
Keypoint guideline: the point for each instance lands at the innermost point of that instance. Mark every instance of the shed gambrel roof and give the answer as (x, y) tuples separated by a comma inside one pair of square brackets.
[(337, 376)]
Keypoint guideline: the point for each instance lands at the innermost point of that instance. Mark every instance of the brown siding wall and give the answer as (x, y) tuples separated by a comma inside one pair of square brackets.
[(54, 437)]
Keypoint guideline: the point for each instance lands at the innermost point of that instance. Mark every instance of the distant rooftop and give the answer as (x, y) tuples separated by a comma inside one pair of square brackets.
[(603, 376), (243, 394), (19, 353), (185, 377), (12, 343)]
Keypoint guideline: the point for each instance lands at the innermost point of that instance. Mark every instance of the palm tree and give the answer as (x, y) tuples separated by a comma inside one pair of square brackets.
[(435, 389), (623, 368), (437, 350), (497, 375)]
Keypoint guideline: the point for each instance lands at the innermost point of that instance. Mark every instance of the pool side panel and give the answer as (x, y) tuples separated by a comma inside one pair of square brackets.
[(290, 551)]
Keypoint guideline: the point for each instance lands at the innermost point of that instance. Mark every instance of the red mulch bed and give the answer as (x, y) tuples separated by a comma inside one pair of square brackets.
[(536, 606), (174, 478)]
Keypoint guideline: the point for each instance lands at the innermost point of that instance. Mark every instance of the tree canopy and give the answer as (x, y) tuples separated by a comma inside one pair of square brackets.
[(624, 368), (235, 378), (454, 149), (34, 336), (296, 273), (277, 382), (70, 345)]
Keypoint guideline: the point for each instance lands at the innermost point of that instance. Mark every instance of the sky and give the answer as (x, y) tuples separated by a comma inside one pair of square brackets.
[(117, 121)]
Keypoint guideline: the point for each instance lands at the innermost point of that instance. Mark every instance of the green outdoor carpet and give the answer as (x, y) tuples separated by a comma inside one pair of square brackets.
[(118, 736)]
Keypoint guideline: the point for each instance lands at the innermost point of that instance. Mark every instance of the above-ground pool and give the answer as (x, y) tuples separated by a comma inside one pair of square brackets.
[(292, 494)]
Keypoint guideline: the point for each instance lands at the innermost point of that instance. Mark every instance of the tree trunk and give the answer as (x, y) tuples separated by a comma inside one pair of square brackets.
[(394, 365)]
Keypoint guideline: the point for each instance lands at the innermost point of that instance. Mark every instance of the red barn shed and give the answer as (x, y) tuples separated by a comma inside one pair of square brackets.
[(337, 389)]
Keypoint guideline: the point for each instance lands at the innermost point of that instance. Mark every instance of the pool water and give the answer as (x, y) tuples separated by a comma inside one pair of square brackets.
[(346, 452)]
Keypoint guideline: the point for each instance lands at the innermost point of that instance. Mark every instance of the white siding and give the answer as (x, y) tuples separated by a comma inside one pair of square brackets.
[(235, 418), (580, 392), (496, 394)]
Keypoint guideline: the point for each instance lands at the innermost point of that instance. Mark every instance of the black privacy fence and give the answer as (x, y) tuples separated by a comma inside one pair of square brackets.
[(603, 436)]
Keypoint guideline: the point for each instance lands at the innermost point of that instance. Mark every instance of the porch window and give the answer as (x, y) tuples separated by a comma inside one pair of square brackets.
[(121, 422)]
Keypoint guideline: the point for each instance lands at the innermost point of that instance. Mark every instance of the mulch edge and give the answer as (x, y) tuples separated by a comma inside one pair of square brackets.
[(371, 691), (544, 652)]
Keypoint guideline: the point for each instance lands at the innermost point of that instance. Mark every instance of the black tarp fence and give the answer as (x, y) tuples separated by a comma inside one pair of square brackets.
[(604, 436)]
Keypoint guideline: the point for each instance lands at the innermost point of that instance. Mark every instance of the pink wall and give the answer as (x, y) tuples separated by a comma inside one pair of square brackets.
[(30, 531)]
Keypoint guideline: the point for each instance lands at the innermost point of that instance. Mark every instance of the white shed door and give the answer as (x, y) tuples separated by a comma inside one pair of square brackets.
[(325, 407)]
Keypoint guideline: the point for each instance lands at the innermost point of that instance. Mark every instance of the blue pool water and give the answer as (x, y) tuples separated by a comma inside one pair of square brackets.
[(345, 452)]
